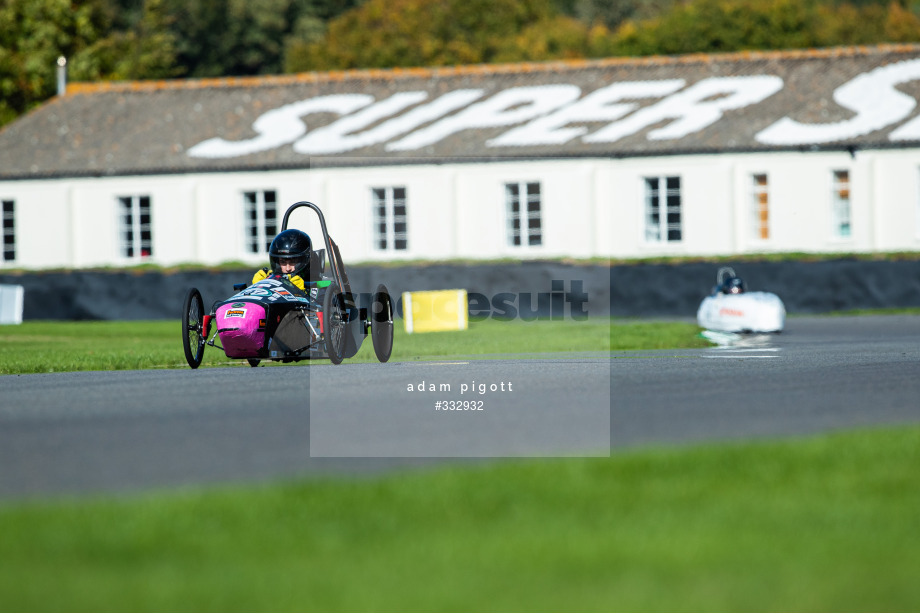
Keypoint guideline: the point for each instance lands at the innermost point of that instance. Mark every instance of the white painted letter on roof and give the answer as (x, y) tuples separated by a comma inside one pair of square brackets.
[(602, 105), (338, 136), (280, 126), (509, 107), (693, 109), (870, 95)]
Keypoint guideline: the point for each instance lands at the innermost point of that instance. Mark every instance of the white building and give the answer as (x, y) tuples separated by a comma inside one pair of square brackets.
[(811, 151)]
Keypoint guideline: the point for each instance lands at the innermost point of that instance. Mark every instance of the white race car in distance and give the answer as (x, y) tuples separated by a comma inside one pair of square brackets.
[(730, 308)]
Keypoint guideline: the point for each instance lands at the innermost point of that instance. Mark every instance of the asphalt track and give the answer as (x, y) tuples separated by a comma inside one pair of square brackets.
[(111, 432)]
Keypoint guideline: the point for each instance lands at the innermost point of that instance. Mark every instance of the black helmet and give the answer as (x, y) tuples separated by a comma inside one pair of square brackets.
[(733, 285), (294, 245)]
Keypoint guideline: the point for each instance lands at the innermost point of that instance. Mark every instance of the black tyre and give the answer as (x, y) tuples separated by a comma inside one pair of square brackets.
[(334, 315), (253, 362), (382, 323), (193, 336)]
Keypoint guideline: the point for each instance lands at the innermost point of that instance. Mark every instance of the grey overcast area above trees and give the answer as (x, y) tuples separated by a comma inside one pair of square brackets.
[(177, 39)]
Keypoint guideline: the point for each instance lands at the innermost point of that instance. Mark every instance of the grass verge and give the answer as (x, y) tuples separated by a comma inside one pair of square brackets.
[(887, 311), (827, 523), (41, 347)]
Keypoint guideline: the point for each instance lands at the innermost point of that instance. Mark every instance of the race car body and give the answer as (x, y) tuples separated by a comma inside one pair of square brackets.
[(751, 312), (257, 322), (731, 309)]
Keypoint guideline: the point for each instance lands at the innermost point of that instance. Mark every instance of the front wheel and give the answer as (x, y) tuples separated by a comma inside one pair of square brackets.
[(193, 338), (334, 316), (382, 323)]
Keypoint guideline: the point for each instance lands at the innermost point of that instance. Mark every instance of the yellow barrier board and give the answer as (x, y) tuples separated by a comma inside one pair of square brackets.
[(434, 310)]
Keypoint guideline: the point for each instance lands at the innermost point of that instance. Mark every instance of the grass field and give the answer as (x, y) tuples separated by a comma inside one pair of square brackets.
[(40, 347), (821, 524)]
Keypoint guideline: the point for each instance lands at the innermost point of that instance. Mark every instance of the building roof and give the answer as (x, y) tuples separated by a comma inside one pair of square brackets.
[(840, 98)]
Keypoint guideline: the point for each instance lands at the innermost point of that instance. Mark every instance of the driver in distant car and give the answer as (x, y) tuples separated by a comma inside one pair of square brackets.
[(289, 256), (733, 285)]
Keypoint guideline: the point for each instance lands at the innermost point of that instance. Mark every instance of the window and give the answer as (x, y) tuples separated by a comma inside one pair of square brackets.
[(840, 204), (260, 219), (136, 229), (662, 209), (522, 205), (391, 230), (760, 208), (9, 230)]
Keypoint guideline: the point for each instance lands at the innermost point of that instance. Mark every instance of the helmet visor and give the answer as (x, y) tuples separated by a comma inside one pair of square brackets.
[(289, 265)]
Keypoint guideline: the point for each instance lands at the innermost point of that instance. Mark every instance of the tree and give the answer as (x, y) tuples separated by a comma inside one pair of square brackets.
[(706, 26), (245, 37), (901, 24), (34, 35), (613, 14), (547, 39), (146, 39), (867, 24), (386, 33), (144, 49)]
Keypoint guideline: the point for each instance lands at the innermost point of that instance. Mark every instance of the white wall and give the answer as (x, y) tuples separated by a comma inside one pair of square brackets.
[(43, 220), (590, 208), (885, 200), (895, 199), (95, 219)]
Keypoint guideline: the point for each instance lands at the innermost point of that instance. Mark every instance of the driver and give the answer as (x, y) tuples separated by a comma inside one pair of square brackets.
[(289, 255), (733, 285)]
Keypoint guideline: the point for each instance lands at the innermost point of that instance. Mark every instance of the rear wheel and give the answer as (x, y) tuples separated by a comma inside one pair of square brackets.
[(382, 323), (193, 338), (253, 362), (334, 315)]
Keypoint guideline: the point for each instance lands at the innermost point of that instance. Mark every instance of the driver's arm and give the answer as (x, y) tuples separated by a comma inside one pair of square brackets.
[(260, 275)]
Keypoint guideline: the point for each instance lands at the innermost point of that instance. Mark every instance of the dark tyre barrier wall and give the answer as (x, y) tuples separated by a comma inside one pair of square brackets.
[(637, 290), (804, 287)]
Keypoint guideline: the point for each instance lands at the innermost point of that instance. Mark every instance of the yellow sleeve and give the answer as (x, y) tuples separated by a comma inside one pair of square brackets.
[(260, 275), (297, 280)]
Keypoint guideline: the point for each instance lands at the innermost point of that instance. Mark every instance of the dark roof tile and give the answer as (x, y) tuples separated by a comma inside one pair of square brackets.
[(150, 126)]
